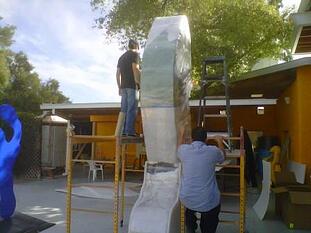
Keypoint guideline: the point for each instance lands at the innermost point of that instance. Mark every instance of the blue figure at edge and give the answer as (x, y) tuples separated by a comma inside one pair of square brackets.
[(9, 151)]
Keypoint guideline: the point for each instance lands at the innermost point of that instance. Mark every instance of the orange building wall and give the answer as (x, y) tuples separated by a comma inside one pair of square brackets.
[(105, 126), (295, 117), (304, 96), (288, 119), (245, 116)]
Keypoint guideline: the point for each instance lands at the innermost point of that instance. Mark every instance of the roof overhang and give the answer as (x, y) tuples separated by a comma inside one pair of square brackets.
[(270, 81), (302, 41), (82, 112), (302, 28)]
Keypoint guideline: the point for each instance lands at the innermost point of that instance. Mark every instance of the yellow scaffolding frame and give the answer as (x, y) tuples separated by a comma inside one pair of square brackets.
[(238, 154), (121, 143), (120, 154)]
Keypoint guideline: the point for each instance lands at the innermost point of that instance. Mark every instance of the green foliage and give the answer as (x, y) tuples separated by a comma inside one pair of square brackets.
[(50, 92), (25, 91), (242, 30), (24, 85), (6, 35), (4, 71)]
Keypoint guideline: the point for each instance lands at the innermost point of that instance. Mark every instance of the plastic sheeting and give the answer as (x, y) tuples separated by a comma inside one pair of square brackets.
[(166, 86), (262, 203), (158, 202), (165, 89)]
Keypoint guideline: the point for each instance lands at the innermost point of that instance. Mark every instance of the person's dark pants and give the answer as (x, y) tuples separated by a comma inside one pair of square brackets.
[(208, 223)]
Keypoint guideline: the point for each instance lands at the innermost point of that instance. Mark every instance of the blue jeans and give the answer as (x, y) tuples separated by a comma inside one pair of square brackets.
[(129, 107)]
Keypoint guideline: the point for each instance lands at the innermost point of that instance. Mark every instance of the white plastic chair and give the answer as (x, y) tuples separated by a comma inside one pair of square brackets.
[(94, 168)]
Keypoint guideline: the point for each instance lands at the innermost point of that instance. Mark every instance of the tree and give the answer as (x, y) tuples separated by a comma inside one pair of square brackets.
[(25, 90), (6, 35), (24, 85), (50, 92), (242, 30)]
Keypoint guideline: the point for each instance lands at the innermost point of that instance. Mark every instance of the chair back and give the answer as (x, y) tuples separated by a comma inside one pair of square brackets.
[(91, 164)]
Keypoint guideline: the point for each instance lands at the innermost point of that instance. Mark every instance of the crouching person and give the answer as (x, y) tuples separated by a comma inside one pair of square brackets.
[(199, 191)]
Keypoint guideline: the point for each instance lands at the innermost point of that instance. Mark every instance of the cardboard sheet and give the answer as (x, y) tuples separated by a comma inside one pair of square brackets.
[(299, 170)]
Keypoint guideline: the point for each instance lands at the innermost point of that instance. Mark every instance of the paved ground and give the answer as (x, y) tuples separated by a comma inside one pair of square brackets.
[(39, 199)]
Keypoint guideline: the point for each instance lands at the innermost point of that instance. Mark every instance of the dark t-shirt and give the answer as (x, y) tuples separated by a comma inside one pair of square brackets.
[(125, 65)]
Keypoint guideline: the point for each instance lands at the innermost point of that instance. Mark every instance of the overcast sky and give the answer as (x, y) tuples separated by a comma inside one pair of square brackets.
[(59, 40)]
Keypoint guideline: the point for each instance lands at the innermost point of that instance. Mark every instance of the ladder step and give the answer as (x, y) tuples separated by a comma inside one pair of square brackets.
[(215, 115), (231, 194), (229, 222), (212, 135), (230, 212), (215, 59), (228, 166), (215, 97), (214, 78), (227, 174)]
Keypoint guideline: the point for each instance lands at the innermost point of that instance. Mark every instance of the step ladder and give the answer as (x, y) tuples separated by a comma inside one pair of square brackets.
[(215, 72)]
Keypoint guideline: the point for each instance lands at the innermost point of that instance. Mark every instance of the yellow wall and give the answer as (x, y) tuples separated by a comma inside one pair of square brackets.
[(304, 96), (295, 117), (245, 116), (288, 121), (105, 126)]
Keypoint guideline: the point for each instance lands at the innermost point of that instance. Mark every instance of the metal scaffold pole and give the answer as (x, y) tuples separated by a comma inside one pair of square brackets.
[(116, 186), (69, 185), (182, 218), (124, 147), (242, 182)]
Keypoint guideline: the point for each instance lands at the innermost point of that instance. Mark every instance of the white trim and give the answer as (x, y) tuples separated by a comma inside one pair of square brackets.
[(80, 105), (192, 103), (235, 102)]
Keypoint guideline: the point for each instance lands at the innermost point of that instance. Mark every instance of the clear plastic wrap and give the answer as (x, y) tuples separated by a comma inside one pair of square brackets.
[(156, 209), (165, 89), (166, 86)]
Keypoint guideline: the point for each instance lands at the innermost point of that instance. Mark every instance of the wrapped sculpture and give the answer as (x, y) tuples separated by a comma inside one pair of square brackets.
[(165, 89)]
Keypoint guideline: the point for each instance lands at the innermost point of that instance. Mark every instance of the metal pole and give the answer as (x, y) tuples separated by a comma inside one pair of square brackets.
[(69, 132), (123, 184), (182, 218), (116, 186), (93, 143), (242, 182)]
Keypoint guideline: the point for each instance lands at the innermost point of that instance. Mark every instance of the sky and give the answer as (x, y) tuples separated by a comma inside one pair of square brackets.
[(61, 43)]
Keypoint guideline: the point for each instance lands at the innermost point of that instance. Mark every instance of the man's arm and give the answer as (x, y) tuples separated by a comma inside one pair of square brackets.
[(136, 72), (220, 145), (118, 77)]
